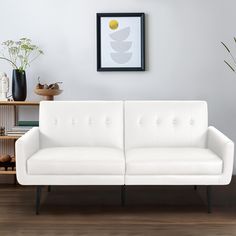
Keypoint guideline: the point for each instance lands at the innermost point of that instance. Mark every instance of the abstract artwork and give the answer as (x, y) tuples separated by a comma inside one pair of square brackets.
[(120, 42)]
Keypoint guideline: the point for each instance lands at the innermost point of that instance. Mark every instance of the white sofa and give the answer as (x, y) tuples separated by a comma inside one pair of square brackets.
[(124, 143)]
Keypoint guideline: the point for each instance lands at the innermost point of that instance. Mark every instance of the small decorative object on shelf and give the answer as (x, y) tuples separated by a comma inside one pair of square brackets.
[(48, 91), (7, 161), (2, 131), (4, 86), (19, 85), (20, 54), (5, 158)]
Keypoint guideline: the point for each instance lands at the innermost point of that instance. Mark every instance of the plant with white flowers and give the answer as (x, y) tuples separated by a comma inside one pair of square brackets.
[(20, 54)]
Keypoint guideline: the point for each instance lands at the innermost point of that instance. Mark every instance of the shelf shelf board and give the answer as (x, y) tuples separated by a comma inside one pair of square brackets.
[(19, 103), (9, 137), (7, 172)]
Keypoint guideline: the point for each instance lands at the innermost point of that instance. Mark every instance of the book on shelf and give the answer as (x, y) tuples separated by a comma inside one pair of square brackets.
[(18, 130), (21, 128), (15, 134), (31, 123)]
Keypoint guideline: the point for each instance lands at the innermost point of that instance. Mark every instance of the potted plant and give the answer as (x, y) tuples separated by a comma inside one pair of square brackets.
[(231, 65), (20, 54)]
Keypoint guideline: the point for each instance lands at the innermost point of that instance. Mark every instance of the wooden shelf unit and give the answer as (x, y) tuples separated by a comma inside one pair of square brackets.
[(16, 105), (7, 172), (9, 137)]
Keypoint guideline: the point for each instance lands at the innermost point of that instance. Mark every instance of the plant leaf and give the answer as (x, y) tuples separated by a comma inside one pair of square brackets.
[(225, 47), (229, 66)]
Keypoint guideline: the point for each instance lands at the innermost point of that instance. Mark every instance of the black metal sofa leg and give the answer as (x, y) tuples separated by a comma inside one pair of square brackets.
[(38, 197), (123, 195), (195, 187), (49, 188), (209, 204)]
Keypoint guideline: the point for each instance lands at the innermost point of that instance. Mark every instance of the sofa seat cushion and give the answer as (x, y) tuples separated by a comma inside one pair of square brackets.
[(77, 161), (172, 161)]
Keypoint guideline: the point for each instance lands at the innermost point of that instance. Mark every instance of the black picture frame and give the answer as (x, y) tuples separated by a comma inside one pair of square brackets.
[(142, 35)]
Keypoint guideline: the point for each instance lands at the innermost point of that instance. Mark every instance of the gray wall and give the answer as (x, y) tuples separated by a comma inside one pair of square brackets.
[(184, 55)]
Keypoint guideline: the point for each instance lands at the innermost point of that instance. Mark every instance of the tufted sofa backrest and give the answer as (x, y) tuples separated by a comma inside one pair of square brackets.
[(81, 123), (165, 124)]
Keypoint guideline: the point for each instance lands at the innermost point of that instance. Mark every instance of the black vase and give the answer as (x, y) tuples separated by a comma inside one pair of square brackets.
[(19, 87)]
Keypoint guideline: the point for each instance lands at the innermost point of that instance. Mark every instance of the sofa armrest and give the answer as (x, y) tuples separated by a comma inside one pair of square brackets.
[(26, 146), (224, 148)]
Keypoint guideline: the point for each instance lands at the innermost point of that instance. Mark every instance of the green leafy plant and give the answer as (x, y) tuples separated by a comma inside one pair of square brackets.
[(20, 54), (231, 65)]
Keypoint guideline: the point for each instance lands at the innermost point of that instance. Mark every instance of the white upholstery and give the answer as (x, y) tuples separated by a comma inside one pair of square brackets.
[(93, 123), (172, 161), (174, 180), (224, 148), (165, 124), (28, 145), (117, 143), (77, 161)]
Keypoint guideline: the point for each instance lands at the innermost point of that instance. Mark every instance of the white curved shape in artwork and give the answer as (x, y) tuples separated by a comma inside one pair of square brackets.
[(121, 35), (121, 58), (119, 46)]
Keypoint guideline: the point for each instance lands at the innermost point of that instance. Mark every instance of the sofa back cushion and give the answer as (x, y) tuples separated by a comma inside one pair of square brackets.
[(81, 123), (165, 124)]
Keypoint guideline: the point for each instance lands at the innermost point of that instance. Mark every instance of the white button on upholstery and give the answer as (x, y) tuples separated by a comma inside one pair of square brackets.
[(55, 121), (174, 121), (158, 121), (90, 121), (107, 121), (191, 122), (140, 121)]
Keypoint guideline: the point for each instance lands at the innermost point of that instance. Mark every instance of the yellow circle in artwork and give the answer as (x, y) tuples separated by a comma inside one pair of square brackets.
[(113, 24)]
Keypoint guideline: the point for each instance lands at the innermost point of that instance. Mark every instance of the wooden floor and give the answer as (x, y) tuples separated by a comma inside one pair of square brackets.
[(172, 210)]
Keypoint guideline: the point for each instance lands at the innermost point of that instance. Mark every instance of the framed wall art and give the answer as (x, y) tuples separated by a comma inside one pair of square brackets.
[(120, 42)]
